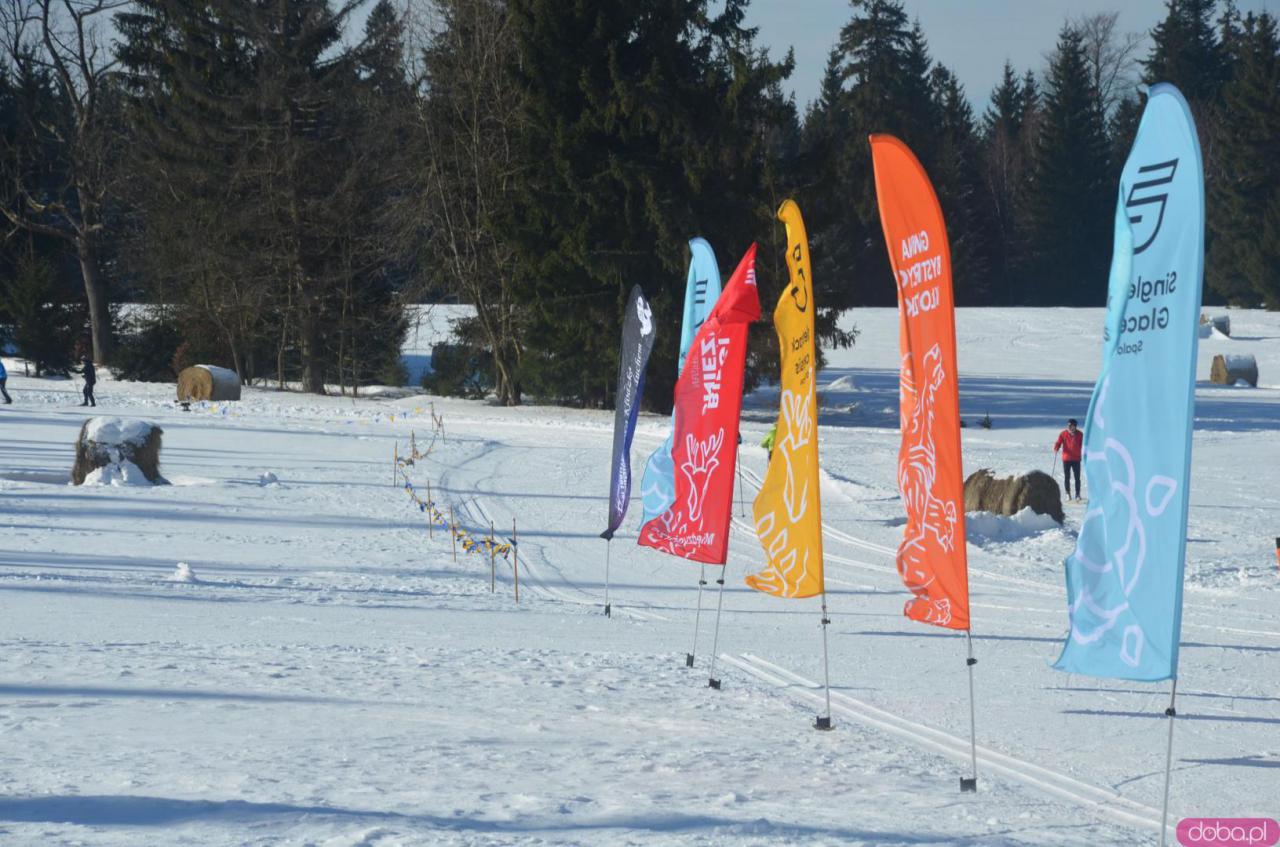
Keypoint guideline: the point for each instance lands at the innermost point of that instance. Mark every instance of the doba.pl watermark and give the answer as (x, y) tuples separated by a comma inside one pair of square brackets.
[(1228, 832)]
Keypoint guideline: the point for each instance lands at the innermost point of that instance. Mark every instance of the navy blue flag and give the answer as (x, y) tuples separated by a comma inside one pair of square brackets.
[(637, 342)]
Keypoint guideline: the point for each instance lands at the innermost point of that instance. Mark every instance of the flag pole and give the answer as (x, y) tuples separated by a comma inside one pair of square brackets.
[(971, 784), (608, 611), (742, 509), (697, 616), (1171, 713), (712, 682), (824, 723)]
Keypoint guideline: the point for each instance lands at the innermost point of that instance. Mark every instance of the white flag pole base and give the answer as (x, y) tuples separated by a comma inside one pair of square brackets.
[(697, 617), (969, 785), (823, 722), (712, 681), (608, 610), (1171, 713)]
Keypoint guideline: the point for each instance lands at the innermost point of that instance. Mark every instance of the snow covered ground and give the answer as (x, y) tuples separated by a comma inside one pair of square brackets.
[(273, 650)]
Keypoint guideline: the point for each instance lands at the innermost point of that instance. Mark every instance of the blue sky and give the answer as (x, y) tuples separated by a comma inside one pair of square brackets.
[(972, 37)]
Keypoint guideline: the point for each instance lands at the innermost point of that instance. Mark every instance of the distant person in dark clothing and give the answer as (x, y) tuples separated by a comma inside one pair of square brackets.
[(90, 379), (4, 377), (1071, 443)]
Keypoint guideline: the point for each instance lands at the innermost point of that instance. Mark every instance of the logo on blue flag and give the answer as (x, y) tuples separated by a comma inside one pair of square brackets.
[(1124, 580)]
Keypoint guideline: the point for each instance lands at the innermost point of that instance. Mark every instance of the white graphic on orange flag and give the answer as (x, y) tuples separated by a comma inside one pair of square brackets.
[(928, 517), (787, 510)]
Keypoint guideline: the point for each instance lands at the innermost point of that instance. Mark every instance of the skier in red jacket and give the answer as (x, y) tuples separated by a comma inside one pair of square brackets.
[(1070, 442)]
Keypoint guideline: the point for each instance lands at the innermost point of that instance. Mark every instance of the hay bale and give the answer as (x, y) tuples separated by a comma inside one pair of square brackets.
[(208, 382), (113, 451), (1230, 368), (984, 492), (1222, 323)]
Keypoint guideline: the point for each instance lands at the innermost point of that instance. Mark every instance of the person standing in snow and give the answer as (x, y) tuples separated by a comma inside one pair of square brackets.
[(1071, 443), (4, 377), (90, 379), (769, 438)]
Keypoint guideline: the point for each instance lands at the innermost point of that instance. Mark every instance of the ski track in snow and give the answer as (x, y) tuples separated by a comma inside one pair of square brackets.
[(333, 677)]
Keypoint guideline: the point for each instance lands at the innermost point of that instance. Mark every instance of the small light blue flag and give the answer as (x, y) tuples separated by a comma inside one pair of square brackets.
[(702, 290), (1124, 580)]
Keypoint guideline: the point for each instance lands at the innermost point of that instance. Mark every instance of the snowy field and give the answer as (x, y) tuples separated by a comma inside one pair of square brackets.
[(322, 671)]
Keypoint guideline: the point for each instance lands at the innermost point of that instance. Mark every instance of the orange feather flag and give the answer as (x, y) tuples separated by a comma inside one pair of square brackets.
[(931, 558)]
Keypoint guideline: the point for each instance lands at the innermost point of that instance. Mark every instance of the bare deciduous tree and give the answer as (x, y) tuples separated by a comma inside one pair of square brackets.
[(65, 38), (1111, 55), (469, 127)]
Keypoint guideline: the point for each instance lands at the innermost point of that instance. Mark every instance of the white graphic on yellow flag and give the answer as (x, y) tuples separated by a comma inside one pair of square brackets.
[(787, 510)]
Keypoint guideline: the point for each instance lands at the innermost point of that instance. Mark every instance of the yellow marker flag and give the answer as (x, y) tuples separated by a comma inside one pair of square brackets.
[(787, 510)]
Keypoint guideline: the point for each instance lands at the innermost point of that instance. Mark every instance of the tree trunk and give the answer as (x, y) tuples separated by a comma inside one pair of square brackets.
[(309, 343), (94, 291), (504, 362)]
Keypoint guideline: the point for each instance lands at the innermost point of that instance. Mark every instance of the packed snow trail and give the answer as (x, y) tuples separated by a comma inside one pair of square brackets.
[(334, 678), (1014, 609)]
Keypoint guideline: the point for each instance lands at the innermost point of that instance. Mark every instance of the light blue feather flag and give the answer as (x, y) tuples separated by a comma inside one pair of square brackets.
[(1124, 580), (702, 290)]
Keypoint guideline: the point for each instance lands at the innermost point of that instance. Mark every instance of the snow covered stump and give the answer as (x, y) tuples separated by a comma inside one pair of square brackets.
[(1232, 368), (114, 451)]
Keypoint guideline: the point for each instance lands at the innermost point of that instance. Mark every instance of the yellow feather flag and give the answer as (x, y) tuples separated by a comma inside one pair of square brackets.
[(787, 510)]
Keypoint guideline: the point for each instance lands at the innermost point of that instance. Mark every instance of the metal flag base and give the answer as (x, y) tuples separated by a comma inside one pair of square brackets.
[(970, 784), (1171, 713), (697, 618), (712, 682), (824, 721), (608, 546)]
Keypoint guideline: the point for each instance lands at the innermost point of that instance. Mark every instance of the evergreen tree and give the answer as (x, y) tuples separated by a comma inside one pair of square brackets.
[(1244, 252), (884, 64), (1004, 173), (263, 175), (1189, 52), (822, 172), (647, 124), (1121, 129), (1185, 51), (380, 55), (1070, 197), (957, 180), (30, 156), (45, 319)]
